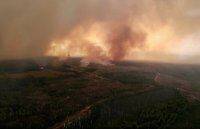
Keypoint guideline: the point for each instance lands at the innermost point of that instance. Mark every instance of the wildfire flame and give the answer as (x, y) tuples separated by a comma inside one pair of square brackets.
[(161, 30), (94, 45)]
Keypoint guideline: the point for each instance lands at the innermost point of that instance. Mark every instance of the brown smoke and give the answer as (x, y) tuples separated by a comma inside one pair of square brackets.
[(122, 39), (28, 27)]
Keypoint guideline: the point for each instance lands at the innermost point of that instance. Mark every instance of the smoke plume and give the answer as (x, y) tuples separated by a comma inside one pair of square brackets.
[(122, 39), (96, 29)]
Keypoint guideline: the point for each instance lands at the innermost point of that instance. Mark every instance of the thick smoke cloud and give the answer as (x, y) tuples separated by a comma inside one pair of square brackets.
[(27, 27), (121, 39)]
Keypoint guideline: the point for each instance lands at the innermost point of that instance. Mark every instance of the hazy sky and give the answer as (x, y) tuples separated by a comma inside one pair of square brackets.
[(100, 29)]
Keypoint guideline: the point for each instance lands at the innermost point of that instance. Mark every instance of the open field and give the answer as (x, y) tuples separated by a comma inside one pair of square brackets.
[(50, 93)]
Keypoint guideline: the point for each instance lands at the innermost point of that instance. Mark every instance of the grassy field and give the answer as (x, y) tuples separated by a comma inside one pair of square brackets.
[(49, 93), (156, 109)]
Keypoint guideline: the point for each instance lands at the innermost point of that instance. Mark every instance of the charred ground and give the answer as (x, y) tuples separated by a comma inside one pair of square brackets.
[(51, 93)]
